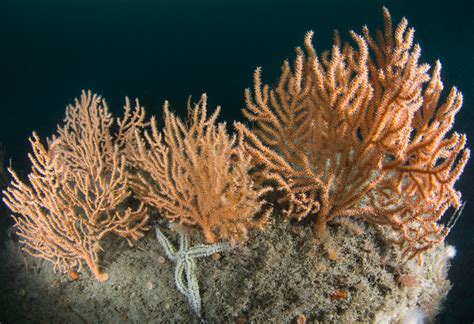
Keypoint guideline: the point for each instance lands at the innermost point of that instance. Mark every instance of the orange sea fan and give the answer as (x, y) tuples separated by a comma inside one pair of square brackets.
[(196, 174), (76, 193), (361, 132)]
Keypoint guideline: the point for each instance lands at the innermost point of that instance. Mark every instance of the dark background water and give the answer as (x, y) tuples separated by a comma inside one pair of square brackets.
[(164, 49)]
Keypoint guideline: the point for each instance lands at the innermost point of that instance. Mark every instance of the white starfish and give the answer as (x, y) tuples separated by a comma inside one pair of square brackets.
[(185, 271)]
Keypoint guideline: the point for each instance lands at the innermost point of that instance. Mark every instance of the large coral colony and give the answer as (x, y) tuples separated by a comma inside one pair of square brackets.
[(359, 131)]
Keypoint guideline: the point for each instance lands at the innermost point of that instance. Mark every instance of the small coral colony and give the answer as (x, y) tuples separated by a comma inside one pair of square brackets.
[(356, 131)]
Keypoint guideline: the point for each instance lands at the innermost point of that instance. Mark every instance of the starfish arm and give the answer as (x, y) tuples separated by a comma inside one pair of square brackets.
[(170, 251), (193, 287), (179, 278), (202, 250), (183, 242)]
